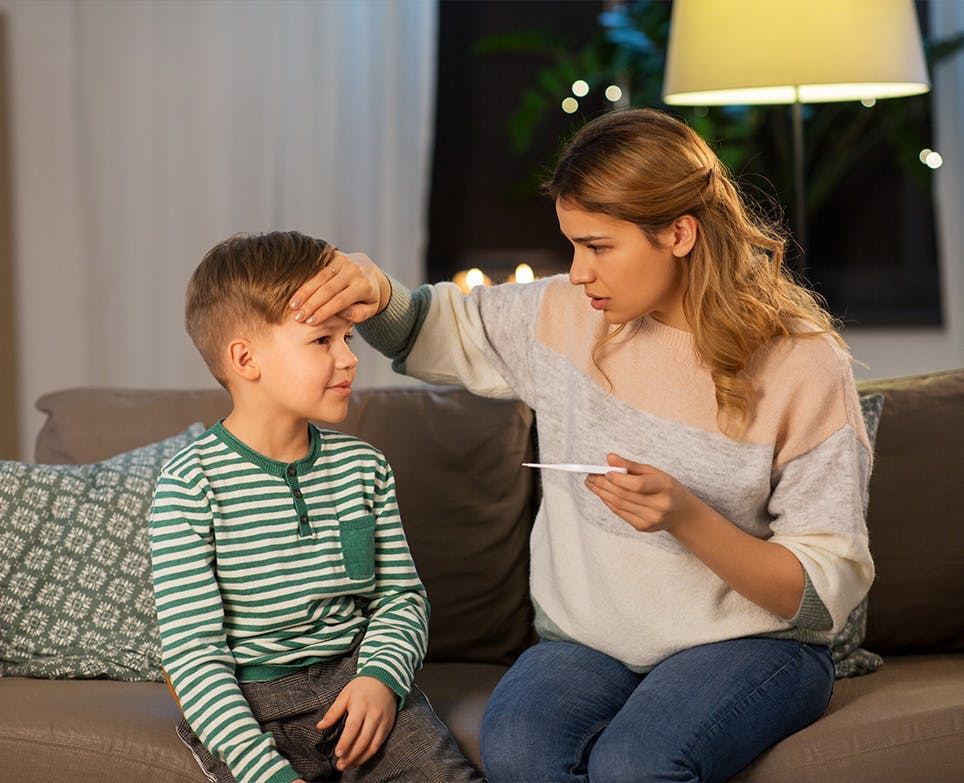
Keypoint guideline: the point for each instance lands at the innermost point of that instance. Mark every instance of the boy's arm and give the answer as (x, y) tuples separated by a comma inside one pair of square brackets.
[(194, 647), (397, 636)]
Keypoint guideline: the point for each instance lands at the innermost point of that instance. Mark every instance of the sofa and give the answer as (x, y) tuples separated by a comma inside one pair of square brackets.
[(468, 505)]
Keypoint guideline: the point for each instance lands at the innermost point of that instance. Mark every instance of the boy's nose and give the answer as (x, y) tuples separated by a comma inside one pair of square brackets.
[(346, 359)]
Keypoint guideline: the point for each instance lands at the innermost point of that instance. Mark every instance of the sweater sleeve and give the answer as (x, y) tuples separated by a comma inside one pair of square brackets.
[(819, 497), (483, 341), (396, 639), (194, 648)]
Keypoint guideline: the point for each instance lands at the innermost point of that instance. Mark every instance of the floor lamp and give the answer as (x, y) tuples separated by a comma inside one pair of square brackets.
[(740, 52)]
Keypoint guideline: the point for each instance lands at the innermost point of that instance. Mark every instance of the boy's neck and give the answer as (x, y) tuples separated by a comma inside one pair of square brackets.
[(283, 439)]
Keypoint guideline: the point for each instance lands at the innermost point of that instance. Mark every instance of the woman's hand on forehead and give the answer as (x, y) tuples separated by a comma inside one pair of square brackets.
[(351, 286)]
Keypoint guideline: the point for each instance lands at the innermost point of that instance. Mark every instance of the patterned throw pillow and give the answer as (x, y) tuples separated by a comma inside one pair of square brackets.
[(849, 658), (75, 589)]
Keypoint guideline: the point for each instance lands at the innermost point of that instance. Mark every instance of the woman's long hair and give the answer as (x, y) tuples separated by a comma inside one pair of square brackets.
[(647, 168)]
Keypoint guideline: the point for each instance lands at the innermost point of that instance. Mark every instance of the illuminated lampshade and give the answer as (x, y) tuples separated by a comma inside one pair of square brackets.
[(738, 52), (781, 51)]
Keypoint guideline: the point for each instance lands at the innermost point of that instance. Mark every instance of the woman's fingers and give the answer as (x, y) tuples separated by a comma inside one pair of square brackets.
[(349, 285)]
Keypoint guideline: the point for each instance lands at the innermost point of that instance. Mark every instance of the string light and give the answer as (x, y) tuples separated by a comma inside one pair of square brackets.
[(468, 279), (580, 88), (613, 93), (524, 274), (570, 105)]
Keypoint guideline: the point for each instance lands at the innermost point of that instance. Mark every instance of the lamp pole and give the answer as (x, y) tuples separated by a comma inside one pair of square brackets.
[(799, 189)]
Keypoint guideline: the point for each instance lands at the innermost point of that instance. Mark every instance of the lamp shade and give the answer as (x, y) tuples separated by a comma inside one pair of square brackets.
[(781, 51)]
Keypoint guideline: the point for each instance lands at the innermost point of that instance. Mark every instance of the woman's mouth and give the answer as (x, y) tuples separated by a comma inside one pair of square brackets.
[(598, 302), (341, 388)]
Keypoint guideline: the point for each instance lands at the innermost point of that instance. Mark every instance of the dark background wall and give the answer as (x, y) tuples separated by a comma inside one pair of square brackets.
[(483, 210)]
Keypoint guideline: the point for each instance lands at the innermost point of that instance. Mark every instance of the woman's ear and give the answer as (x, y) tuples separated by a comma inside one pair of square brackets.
[(683, 236), (241, 362)]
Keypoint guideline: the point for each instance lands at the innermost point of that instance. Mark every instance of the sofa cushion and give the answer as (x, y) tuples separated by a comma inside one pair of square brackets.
[(914, 519), (91, 730), (461, 488), (91, 424), (903, 723), (75, 591)]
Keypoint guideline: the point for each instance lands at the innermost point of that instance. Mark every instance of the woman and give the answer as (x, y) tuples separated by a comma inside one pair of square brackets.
[(684, 606)]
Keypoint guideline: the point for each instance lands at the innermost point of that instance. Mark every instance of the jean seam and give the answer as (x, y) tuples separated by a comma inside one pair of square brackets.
[(581, 753), (730, 709)]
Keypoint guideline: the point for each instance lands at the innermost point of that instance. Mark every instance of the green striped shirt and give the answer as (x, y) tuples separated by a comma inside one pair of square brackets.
[(263, 567)]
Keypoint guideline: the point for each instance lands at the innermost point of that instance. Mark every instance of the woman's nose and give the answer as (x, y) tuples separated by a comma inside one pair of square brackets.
[(580, 271)]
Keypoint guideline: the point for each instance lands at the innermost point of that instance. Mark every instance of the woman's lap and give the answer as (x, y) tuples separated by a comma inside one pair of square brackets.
[(565, 713)]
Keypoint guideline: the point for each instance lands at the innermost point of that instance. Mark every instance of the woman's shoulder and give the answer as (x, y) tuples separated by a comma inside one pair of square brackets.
[(805, 390), (809, 355)]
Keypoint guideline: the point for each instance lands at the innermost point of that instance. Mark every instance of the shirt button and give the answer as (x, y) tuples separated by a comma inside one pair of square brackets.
[(292, 471), (297, 493), (304, 517)]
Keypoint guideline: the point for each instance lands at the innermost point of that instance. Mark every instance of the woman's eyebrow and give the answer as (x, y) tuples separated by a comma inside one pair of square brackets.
[(590, 238)]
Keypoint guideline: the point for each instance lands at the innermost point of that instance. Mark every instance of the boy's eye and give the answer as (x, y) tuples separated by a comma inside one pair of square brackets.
[(596, 249), (323, 340)]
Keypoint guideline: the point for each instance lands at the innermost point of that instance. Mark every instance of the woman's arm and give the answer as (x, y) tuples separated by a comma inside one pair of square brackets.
[(767, 574)]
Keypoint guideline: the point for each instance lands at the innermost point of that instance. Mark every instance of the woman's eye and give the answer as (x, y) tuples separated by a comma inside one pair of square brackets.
[(323, 340), (595, 249)]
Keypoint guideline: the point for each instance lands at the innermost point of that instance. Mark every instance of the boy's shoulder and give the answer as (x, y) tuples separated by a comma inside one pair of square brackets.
[(186, 463), (343, 445)]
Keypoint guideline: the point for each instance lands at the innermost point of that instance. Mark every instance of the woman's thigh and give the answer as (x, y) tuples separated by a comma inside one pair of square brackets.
[(705, 713), (547, 711)]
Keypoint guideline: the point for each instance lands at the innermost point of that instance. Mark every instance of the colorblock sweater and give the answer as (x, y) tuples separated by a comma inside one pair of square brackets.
[(797, 477), (261, 568)]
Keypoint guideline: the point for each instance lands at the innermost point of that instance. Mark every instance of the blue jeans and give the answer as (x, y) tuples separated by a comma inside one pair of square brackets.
[(565, 713)]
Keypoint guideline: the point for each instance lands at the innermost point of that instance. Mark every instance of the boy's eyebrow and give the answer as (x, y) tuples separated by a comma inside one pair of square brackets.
[(334, 323)]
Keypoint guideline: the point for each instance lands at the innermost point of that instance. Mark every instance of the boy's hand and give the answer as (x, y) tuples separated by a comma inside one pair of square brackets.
[(370, 706), (351, 286)]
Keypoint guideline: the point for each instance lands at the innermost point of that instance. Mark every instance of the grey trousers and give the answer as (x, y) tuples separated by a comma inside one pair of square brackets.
[(419, 748)]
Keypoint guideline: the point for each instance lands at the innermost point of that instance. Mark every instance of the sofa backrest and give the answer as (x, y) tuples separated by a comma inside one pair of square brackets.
[(916, 515), (466, 502)]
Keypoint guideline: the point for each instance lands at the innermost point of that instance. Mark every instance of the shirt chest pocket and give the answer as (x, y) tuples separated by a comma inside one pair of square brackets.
[(357, 539)]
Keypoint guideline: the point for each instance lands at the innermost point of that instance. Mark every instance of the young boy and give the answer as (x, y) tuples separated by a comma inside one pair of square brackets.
[(292, 619)]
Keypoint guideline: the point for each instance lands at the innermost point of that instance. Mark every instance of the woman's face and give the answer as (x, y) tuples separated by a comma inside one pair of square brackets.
[(624, 275)]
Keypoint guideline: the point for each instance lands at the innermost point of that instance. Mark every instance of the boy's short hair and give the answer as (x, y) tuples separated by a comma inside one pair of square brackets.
[(247, 281)]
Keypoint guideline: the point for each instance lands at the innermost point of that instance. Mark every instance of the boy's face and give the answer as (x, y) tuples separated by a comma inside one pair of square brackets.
[(306, 371)]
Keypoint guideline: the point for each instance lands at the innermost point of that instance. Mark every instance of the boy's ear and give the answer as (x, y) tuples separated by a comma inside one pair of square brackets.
[(683, 235), (241, 360)]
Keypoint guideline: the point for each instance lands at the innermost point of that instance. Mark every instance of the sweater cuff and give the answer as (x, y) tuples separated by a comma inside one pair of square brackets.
[(378, 673), (395, 329), (284, 775), (389, 330), (812, 614)]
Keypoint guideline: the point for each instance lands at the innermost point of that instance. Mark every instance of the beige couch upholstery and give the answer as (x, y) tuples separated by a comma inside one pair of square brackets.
[(468, 507)]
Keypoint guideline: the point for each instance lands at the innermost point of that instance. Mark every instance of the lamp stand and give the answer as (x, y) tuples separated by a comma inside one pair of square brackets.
[(799, 190)]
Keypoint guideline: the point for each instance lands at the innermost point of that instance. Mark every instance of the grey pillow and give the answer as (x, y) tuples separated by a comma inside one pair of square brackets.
[(75, 590), (849, 658)]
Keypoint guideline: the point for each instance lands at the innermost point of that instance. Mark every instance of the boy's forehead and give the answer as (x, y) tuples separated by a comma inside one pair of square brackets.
[(334, 322)]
